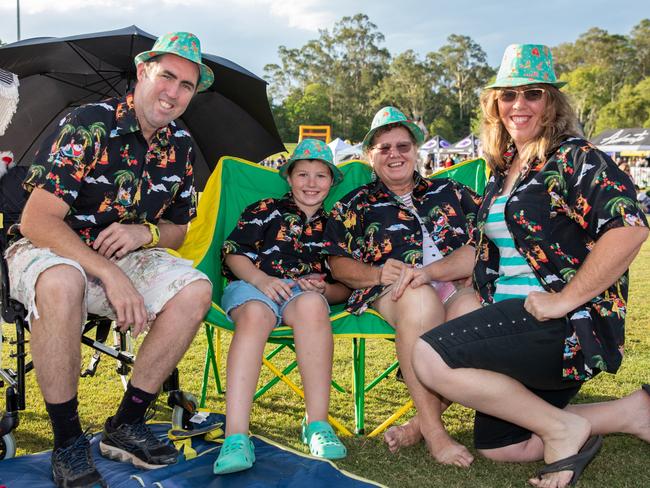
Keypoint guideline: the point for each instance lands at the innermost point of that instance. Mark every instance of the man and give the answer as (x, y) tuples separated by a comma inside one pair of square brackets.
[(110, 188)]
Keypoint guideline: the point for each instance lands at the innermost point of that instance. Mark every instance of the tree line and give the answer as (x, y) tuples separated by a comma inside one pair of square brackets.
[(345, 75)]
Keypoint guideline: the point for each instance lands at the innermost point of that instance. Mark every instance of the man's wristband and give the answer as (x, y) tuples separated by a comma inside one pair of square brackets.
[(155, 235)]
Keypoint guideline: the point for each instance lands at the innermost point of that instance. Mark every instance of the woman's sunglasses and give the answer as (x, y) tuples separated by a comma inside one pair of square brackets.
[(530, 95), (400, 147)]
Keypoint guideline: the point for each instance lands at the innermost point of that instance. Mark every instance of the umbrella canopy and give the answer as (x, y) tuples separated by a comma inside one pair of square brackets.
[(232, 117)]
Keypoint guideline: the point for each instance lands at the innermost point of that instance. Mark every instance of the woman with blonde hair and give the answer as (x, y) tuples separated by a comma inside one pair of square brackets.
[(558, 229)]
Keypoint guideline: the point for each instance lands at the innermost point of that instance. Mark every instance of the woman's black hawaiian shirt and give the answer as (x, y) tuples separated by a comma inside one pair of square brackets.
[(371, 225), (556, 213), (277, 236)]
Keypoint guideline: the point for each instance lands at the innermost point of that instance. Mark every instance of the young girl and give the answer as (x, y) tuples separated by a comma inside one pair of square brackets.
[(275, 254)]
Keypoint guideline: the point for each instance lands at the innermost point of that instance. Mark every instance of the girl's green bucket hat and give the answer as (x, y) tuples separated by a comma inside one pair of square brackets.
[(313, 149), (185, 45), (526, 64), (391, 115)]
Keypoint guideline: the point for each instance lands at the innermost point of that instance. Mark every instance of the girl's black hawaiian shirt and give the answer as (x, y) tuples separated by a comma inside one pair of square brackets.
[(371, 225), (99, 163), (556, 213), (277, 236)]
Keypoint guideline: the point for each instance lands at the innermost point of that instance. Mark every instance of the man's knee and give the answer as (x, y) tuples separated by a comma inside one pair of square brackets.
[(61, 284), (195, 299)]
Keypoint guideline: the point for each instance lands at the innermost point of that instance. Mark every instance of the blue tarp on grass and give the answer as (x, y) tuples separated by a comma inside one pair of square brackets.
[(274, 466)]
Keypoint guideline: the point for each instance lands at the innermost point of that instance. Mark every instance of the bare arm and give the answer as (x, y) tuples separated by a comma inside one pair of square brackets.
[(244, 269), (607, 261), (456, 266), (356, 274), (117, 240), (42, 223)]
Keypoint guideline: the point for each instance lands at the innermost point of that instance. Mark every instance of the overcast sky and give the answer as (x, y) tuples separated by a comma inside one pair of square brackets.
[(249, 32)]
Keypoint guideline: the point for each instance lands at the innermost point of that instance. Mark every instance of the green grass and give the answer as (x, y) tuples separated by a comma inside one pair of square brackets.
[(623, 462)]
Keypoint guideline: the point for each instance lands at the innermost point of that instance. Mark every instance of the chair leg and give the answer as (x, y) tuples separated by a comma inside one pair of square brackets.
[(358, 370), (212, 358)]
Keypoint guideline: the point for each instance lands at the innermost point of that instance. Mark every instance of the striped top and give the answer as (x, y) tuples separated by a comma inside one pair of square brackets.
[(516, 278)]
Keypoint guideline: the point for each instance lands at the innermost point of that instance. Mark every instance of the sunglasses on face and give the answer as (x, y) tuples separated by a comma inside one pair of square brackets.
[(400, 147), (530, 95)]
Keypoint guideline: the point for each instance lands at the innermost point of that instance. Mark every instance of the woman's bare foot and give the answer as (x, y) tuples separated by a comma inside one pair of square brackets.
[(444, 449), (404, 435), (560, 444)]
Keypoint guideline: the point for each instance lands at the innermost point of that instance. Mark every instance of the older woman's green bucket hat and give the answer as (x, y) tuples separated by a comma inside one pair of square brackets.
[(391, 115), (313, 149), (526, 64), (185, 45)]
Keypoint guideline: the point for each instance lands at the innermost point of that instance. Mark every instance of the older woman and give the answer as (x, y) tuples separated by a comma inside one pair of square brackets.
[(400, 242), (558, 228)]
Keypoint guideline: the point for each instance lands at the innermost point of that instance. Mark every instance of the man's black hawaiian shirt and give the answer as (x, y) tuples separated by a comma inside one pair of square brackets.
[(555, 214), (277, 236), (371, 225), (99, 163)]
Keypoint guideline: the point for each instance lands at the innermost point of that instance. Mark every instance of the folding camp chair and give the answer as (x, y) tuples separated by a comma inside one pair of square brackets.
[(235, 184)]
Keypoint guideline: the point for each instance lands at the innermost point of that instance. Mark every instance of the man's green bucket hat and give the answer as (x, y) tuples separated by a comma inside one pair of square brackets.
[(185, 45), (391, 115), (526, 64), (313, 149)]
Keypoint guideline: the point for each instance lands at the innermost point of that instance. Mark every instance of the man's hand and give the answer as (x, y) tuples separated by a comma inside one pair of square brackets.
[(117, 240), (546, 306), (127, 302), (274, 288)]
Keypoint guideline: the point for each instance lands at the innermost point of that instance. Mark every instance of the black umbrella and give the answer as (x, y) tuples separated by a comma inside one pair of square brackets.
[(231, 118)]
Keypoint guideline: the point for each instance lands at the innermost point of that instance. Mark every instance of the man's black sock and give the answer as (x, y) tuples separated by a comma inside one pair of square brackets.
[(133, 407), (65, 421)]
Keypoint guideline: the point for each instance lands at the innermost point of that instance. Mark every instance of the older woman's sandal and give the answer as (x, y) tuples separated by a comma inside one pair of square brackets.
[(322, 440), (237, 454), (576, 463)]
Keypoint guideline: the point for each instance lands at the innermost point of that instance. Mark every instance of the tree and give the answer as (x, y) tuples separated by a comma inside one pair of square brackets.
[(407, 85), (589, 91), (630, 109), (347, 63), (640, 38), (461, 69)]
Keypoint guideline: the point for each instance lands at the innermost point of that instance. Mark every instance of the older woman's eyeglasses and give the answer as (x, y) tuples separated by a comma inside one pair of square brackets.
[(400, 147), (530, 95)]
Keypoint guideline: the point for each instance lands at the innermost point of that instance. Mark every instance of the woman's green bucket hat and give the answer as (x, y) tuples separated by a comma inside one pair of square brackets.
[(391, 115), (313, 149), (185, 45), (526, 64)]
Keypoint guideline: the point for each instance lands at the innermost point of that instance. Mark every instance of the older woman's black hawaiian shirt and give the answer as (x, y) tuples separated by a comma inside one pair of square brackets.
[(277, 236), (555, 214), (371, 225), (99, 163)]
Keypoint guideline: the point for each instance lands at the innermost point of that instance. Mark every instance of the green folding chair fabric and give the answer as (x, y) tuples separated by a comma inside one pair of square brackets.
[(235, 184)]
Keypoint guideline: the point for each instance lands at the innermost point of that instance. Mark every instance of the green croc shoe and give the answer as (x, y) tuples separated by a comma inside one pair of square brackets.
[(322, 440), (236, 454)]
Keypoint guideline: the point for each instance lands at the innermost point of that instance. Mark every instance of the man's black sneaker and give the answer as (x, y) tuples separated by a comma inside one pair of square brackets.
[(135, 443), (73, 466)]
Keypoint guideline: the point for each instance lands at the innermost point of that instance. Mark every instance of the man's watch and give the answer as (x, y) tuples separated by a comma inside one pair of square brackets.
[(155, 235)]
